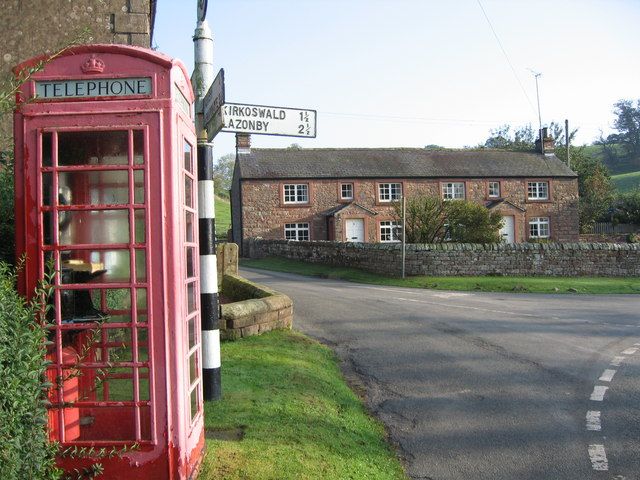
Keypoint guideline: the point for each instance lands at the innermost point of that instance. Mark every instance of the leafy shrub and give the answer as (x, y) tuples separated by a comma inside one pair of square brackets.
[(433, 220), (633, 238), (26, 452), (7, 217)]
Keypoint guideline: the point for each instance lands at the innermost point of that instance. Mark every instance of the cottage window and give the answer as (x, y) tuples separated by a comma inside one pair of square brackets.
[(538, 190), (296, 193), (390, 231), (494, 189), (453, 191), (296, 231), (346, 191), (389, 192), (539, 227)]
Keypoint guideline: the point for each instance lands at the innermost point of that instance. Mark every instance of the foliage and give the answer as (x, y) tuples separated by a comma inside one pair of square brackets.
[(286, 399), (595, 187), (425, 219), (7, 214), (627, 137), (223, 175), (432, 220), (506, 138), (590, 285), (523, 139), (627, 208), (26, 452), (633, 238), (469, 222)]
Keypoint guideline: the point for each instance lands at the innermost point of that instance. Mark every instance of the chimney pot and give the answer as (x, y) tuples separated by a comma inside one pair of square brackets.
[(243, 143)]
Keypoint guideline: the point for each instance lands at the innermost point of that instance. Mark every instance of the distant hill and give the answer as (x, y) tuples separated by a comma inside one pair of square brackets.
[(618, 167), (625, 182)]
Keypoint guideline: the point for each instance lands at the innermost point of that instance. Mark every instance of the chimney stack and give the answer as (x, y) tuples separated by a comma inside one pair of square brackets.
[(243, 143), (547, 142)]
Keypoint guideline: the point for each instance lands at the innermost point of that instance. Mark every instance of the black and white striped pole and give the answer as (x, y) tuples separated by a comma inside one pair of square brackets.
[(212, 387), (202, 80)]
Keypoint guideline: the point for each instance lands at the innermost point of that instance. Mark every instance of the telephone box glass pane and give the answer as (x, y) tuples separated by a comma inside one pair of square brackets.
[(143, 345), (141, 265), (138, 147), (140, 233), (94, 226), (188, 157), (138, 192), (93, 187), (191, 261), (191, 297), (93, 148), (189, 227), (141, 299), (46, 149), (188, 191), (95, 266), (47, 188)]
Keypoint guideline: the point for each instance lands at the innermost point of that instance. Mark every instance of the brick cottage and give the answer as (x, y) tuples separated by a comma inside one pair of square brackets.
[(347, 194)]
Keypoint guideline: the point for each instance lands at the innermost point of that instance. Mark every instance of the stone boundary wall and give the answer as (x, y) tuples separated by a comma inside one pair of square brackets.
[(449, 259), (264, 310)]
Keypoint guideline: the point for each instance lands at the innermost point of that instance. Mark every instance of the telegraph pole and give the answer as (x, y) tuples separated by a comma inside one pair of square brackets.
[(210, 314)]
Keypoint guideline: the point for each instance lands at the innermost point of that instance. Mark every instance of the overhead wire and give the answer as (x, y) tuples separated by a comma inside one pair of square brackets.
[(504, 52)]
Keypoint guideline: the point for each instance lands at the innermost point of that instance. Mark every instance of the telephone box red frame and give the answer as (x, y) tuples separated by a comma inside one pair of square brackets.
[(106, 196)]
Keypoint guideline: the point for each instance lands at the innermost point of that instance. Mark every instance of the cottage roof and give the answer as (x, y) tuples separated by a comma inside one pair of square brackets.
[(284, 163)]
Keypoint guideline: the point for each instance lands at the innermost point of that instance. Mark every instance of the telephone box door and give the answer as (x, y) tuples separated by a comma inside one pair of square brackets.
[(94, 202)]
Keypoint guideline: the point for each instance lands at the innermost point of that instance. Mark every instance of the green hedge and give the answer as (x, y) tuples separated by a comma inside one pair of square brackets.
[(25, 451)]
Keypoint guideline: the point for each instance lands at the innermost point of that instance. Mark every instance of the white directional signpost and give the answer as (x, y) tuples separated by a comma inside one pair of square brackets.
[(266, 120), (212, 103)]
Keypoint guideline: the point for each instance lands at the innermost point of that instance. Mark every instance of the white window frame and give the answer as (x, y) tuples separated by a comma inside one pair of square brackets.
[(453, 191), (389, 192), (539, 227), (537, 190), (495, 186), (390, 231), (297, 231), (342, 191), (295, 193)]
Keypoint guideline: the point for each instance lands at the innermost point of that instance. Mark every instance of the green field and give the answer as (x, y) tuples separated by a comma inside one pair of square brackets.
[(571, 285), (287, 413), (223, 216), (626, 182)]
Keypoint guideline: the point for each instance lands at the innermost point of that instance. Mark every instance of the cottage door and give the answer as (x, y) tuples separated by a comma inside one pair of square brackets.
[(355, 229), (507, 231)]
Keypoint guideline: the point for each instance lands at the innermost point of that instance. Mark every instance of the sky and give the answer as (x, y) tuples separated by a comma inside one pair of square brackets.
[(411, 73)]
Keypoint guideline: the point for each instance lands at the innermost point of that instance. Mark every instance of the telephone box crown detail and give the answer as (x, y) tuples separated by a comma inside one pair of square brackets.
[(93, 65)]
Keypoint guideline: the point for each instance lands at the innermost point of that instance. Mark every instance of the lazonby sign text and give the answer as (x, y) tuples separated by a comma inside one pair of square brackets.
[(104, 87), (269, 120)]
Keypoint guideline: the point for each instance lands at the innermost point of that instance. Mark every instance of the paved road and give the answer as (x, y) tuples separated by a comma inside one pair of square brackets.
[(487, 386)]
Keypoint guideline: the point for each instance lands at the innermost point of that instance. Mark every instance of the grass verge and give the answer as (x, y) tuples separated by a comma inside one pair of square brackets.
[(287, 413), (591, 285), (223, 215)]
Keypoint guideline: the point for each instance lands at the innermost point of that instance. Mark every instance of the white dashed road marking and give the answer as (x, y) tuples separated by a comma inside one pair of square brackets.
[(593, 421), (607, 375), (598, 457), (630, 351), (617, 361), (598, 393)]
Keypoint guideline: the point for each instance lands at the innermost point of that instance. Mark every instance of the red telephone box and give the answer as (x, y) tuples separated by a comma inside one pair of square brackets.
[(106, 195)]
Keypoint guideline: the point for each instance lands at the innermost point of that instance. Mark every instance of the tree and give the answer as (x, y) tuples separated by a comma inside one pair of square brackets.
[(627, 124), (506, 138), (425, 219), (595, 187), (627, 207), (469, 222), (223, 174), (433, 220)]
